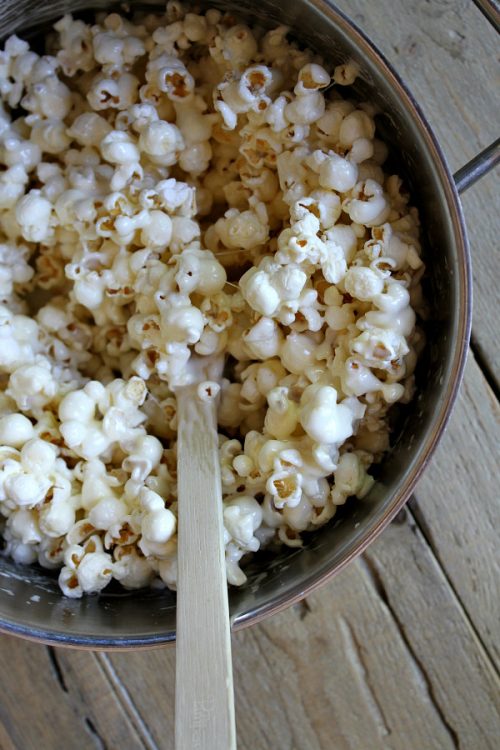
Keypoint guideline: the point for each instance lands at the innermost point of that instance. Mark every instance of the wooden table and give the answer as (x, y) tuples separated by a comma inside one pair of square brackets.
[(401, 650)]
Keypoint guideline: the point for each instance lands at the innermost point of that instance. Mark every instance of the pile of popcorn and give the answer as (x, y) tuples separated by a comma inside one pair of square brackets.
[(180, 184)]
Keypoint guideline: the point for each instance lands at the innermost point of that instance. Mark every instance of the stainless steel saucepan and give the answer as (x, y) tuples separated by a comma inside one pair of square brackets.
[(31, 604)]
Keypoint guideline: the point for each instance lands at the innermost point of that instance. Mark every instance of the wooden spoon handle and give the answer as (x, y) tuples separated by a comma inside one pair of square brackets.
[(204, 711)]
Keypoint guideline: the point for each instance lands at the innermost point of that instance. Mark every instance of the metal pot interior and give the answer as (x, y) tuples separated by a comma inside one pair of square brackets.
[(30, 601)]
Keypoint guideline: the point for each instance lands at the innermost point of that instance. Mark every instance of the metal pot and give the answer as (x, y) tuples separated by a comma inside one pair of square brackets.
[(31, 604)]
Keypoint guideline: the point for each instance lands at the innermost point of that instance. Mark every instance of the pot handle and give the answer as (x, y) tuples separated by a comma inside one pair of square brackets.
[(487, 160), (489, 8), (477, 167)]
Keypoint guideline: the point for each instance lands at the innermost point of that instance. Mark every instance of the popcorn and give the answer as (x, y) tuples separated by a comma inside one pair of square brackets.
[(131, 569), (334, 172), (90, 574), (282, 415), (363, 283), (306, 108), (107, 512), (33, 214), (15, 430), (22, 525), (118, 147), (311, 77), (118, 416), (105, 92), (158, 526), (378, 347), (241, 229), (298, 352), (12, 183), (50, 552), (162, 142), (76, 46), (264, 340), (346, 74), (242, 517), (355, 126), (248, 93), (234, 47), (185, 184), (199, 271), (350, 479), (32, 387), (285, 488), (144, 455), (57, 519), (368, 204), (116, 49)]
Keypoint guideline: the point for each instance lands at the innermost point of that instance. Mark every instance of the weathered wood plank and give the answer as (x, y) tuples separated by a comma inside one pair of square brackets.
[(458, 505), (448, 55), (369, 661), (372, 659), (456, 497), (444, 649), (55, 699), (484, 233), (28, 675), (107, 702), (5, 740), (148, 678), (384, 656)]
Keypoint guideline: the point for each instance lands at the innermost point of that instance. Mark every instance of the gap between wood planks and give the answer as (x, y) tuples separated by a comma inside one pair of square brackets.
[(119, 690), (355, 650), (417, 525), (60, 678), (370, 570), (126, 700), (303, 609), (415, 521), (419, 520), (483, 364)]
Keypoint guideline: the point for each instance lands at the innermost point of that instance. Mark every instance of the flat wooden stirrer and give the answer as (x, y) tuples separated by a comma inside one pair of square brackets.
[(204, 699)]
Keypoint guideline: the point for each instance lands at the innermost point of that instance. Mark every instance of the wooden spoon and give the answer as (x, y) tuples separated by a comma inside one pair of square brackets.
[(204, 700)]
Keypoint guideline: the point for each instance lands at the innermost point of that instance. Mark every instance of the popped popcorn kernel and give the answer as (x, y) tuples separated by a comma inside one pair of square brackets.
[(177, 185)]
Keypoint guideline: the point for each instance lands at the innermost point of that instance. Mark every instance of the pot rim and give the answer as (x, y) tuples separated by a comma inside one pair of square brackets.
[(368, 49)]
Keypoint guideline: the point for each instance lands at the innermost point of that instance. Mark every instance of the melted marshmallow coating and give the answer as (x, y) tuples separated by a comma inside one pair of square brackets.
[(178, 185)]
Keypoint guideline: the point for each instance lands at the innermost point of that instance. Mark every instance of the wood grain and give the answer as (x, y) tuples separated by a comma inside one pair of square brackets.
[(204, 702), (448, 55), (382, 657), (484, 233), (458, 505), (53, 699), (397, 652)]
